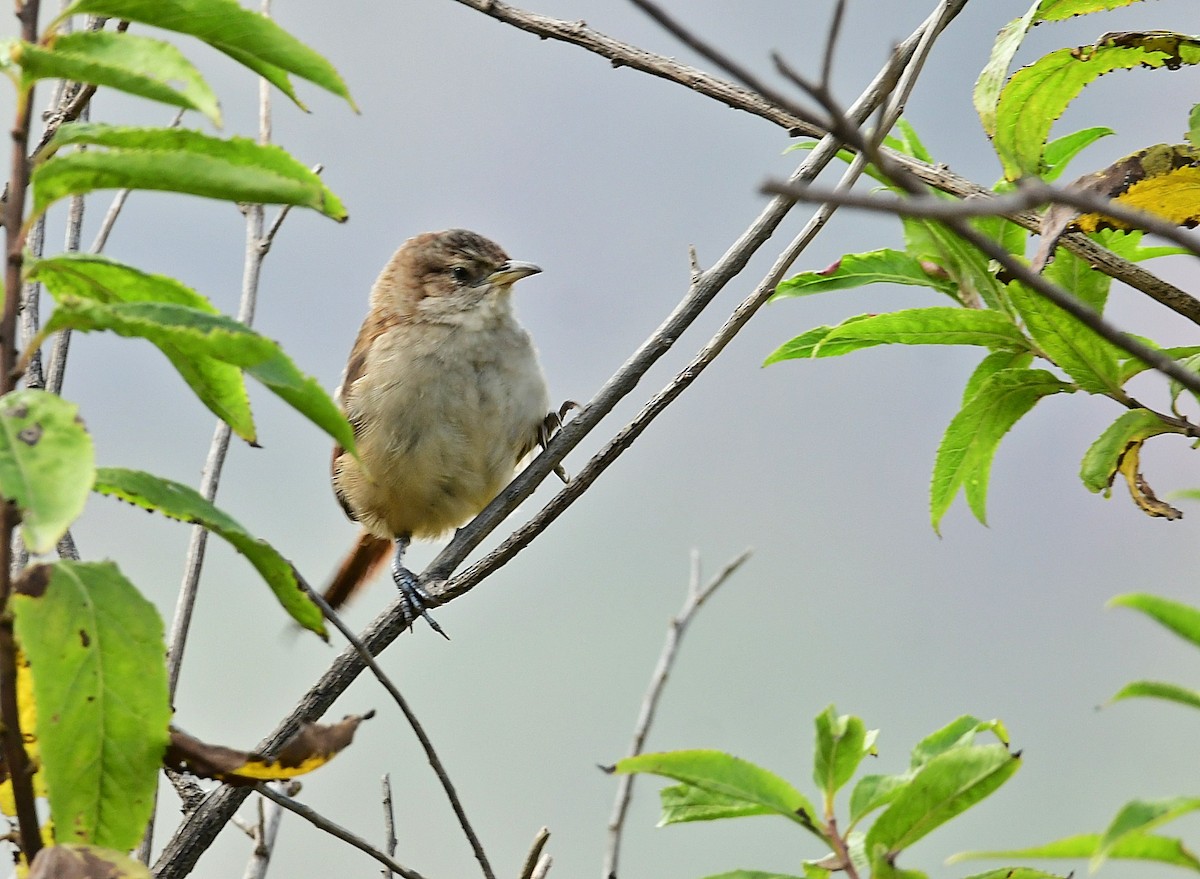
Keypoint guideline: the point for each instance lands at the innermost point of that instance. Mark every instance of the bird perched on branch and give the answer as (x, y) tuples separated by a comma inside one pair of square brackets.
[(446, 397)]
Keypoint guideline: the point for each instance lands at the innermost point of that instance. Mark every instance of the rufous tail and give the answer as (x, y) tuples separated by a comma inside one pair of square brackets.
[(362, 563)]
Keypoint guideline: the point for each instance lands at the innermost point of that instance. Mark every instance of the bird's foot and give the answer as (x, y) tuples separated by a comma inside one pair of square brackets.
[(551, 425), (416, 599)]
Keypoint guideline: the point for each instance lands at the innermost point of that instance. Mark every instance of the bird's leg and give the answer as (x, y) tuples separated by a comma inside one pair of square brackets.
[(415, 598), (551, 425)]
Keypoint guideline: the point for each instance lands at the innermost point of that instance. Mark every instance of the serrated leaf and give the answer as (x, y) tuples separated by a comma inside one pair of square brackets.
[(46, 464), (1061, 151), (682, 803), (227, 26), (175, 160), (858, 269), (939, 325), (184, 503), (841, 745), (95, 649), (137, 65), (1182, 619), (1127, 243), (1089, 359), (728, 776), (200, 334), (219, 385), (991, 79), (1158, 690), (958, 733), (1103, 459), (806, 344), (972, 275), (992, 364), (964, 457), (1134, 847), (1038, 94), (1137, 817), (944, 787), (1016, 873), (1060, 10), (1076, 275)]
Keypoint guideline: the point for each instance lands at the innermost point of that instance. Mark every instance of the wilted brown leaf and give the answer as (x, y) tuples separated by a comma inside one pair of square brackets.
[(313, 746), (1141, 492), (71, 861)]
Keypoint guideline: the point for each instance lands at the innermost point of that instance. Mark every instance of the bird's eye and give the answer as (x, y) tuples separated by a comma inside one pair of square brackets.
[(461, 274)]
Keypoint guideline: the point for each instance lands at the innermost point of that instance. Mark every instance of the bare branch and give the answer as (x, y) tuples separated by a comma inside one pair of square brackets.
[(196, 833), (389, 822), (535, 853), (439, 768), (320, 821), (1029, 194), (695, 599), (266, 831)]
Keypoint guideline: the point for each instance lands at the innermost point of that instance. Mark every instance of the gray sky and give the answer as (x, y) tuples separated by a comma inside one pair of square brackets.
[(604, 177)]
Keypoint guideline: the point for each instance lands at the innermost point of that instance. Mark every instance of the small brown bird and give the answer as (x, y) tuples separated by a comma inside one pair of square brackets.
[(446, 397)]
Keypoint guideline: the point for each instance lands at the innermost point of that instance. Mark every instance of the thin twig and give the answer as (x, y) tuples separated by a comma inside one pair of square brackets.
[(625, 55), (535, 853), (12, 742), (318, 820), (545, 862), (435, 762), (389, 822), (266, 831), (197, 831), (696, 596), (1029, 194)]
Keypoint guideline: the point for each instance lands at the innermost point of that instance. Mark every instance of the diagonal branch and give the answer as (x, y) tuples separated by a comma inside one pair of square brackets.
[(799, 124), (199, 829)]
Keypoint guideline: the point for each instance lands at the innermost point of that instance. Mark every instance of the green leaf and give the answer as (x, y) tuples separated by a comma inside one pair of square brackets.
[(1135, 846), (972, 275), (1193, 132), (1182, 619), (944, 787), (1089, 359), (752, 874), (200, 334), (728, 776), (1037, 95), (682, 803), (1158, 690), (1061, 151), (964, 458), (992, 364), (46, 464), (1016, 873), (134, 64), (1076, 275), (95, 650), (987, 88), (806, 344), (247, 37), (873, 792), (176, 160), (958, 733), (859, 269), (1137, 817), (841, 745), (1102, 459), (939, 325), (181, 502), (219, 385)]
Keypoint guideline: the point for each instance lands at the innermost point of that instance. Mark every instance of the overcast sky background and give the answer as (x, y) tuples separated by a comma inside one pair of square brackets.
[(604, 178)]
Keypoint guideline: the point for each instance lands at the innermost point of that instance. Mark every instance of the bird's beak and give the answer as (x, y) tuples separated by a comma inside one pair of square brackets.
[(510, 272)]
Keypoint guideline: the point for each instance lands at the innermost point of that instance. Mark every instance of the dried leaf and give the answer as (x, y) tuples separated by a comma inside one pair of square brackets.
[(313, 746), (1141, 492)]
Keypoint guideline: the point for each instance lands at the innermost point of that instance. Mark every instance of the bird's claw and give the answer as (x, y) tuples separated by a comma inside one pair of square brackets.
[(416, 600), (551, 425)]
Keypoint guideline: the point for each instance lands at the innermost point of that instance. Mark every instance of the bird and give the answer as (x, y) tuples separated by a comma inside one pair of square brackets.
[(446, 398)]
